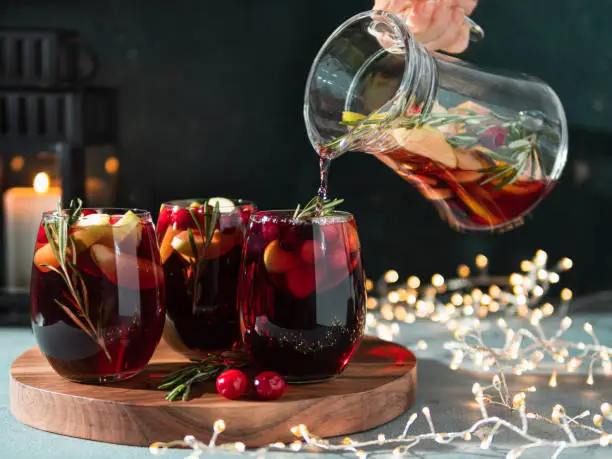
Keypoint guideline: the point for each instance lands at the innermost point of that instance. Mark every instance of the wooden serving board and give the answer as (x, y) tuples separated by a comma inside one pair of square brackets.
[(377, 386)]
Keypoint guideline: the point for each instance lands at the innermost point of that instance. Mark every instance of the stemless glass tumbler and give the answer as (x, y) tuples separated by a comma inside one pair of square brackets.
[(201, 275), (302, 297), (97, 293)]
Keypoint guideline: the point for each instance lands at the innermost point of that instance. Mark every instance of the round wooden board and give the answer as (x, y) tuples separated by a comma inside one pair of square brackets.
[(378, 385)]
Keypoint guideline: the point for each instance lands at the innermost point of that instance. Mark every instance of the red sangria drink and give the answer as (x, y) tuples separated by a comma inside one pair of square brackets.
[(97, 292), (302, 296), (201, 245)]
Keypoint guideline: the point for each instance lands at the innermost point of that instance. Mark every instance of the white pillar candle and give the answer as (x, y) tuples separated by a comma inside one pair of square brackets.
[(23, 208)]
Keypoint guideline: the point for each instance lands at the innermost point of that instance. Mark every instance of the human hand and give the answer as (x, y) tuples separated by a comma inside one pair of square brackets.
[(438, 24)]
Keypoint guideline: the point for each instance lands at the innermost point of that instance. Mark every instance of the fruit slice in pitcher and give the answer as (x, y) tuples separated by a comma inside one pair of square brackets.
[(127, 270)]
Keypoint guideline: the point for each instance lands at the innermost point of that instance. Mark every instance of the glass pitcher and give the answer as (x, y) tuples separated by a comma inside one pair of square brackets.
[(484, 146)]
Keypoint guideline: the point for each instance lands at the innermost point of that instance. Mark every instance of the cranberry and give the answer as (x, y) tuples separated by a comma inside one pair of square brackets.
[(86, 212), (114, 219), (269, 385), (494, 137), (269, 230), (232, 384)]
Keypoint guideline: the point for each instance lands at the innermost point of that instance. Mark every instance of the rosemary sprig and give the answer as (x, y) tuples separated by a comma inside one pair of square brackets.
[(181, 381), (76, 301), (316, 207), (198, 264), (524, 134)]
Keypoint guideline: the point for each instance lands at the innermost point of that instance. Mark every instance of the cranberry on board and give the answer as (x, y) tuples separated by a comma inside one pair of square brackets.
[(232, 384), (269, 385)]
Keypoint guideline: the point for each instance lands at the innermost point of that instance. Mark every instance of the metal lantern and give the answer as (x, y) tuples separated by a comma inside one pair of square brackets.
[(57, 139)]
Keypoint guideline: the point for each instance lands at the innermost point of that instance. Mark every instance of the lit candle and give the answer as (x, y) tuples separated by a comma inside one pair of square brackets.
[(23, 208)]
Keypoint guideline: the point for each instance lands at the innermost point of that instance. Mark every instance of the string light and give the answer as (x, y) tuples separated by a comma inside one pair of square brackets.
[(391, 276), (526, 348), (481, 261), (414, 282)]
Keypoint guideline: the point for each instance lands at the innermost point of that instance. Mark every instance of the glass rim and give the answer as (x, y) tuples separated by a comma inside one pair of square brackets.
[(239, 203), (140, 213), (286, 216)]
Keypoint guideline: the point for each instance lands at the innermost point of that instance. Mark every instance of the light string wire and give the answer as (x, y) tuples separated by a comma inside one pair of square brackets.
[(460, 305)]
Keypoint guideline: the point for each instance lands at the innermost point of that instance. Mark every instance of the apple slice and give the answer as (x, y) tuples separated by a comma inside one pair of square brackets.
[(182, 244), (127, 270), (225, 205), (301, 281), (427, 142), (128, 224), (91, 229), (279, 260)]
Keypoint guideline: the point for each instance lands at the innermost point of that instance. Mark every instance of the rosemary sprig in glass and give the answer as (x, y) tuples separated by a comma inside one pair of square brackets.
[(76, 301), (525, 133), (198, 263), (316, 207)]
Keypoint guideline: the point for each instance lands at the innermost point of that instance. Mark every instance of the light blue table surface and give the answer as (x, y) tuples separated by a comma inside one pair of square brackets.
[(447, 393)]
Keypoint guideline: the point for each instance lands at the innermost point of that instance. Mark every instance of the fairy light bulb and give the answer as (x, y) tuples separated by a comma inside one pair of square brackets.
[(566, 294), (566, 264), (481, 261), (219, 426), (547, 309), (526, 266), (393, 297), (456, 299), (542, 274), (537, 291), (494, 291), (553, 278), (566, 323), (369, 285), (391, 276), (414, 282), (437, 280), (588, 328), (516, 279), (372, 303), (541, 257), (403, 294), (463, 271)]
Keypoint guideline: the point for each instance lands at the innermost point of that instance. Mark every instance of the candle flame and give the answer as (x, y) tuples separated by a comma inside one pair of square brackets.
[(41, 183)]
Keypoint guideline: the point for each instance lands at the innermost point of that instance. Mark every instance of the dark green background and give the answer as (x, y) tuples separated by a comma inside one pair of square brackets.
[(211, 99)]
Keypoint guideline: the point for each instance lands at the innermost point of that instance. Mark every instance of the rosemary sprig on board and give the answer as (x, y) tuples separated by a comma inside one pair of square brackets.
[(524, 133), (76, 301), (316, 207), (181, 381)]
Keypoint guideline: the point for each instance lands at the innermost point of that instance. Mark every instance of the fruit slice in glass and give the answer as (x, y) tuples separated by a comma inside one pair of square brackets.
[(202, 275), (97, 299), (302, 294)]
